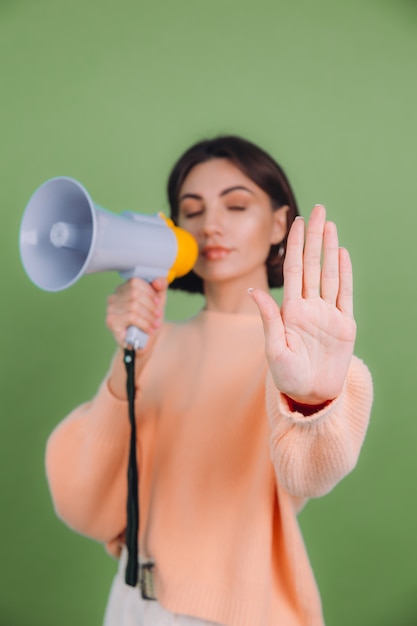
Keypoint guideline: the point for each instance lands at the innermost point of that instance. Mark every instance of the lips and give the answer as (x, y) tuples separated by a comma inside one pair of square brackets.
[(215, 253)]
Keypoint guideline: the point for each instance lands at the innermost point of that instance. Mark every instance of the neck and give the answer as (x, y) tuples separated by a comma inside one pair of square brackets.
[(232, 296)]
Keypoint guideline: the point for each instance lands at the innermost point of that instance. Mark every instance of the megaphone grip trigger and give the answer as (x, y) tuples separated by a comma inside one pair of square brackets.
[(136, 338)]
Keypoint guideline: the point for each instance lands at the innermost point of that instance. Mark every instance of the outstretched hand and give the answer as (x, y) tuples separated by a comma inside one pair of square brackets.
[(309, 340)]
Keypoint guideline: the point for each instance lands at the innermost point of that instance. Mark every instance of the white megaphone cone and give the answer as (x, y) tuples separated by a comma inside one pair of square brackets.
[(64, 235)]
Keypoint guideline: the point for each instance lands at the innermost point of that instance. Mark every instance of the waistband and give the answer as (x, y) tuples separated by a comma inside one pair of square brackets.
[(146, 580)]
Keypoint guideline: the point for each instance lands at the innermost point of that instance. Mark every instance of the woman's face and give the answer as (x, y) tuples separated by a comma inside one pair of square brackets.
[(232, 220)]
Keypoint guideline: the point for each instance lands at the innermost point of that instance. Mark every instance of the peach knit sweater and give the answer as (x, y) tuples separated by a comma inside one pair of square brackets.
[(224, 468)]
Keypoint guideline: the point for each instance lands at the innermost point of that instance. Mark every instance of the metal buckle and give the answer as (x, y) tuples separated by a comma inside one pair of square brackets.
[(146, 581)]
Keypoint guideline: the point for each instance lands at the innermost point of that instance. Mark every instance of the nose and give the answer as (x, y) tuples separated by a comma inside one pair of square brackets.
[(212, 222)]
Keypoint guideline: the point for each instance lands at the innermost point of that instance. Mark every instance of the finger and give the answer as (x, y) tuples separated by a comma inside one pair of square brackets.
[(330, 269), (312, 252), (271, 320), (345, 296), (293, 263), (133, 299), (119, 323), (134, 303), (160, 284), (151, 290), (160, 287), (147, 300), (133, 288)]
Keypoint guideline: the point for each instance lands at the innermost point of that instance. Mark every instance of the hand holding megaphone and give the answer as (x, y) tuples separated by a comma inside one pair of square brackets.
[(64, 235), (136, 303)]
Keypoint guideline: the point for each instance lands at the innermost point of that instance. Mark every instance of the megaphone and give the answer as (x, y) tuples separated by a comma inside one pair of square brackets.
[(64, 235)]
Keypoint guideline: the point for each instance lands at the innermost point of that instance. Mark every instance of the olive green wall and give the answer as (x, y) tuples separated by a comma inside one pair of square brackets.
[(111, 93)]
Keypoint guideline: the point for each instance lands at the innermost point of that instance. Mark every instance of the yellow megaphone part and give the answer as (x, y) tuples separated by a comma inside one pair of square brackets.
[(187, 251)]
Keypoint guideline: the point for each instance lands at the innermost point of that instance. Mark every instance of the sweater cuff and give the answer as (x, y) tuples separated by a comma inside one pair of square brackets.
[(357, 387), (108, 417), (311, 454), (281, 406)]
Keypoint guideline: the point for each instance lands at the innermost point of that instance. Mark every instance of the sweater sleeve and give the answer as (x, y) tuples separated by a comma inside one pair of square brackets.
[(86, 464), (87, 459), (312, 454)]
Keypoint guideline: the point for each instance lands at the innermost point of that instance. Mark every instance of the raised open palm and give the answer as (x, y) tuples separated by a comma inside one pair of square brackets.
[(309, 340)]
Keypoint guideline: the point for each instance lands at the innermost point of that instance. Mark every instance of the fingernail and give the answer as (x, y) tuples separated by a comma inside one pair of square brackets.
[(299, 217)]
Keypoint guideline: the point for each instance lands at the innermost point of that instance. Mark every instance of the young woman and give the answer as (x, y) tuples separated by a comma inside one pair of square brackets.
[(243, 411)]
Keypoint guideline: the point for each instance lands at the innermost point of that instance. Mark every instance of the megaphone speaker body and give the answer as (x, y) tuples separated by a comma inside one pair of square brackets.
[(64, 235)]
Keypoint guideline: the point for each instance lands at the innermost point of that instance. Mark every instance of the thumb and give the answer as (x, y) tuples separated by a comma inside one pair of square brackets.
[(271, 320)]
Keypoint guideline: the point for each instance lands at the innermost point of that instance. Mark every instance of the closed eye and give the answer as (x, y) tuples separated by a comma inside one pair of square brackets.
[(235, 207), (193, 213)]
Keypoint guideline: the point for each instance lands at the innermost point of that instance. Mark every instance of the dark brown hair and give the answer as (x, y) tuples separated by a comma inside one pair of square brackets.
[(257, 165)]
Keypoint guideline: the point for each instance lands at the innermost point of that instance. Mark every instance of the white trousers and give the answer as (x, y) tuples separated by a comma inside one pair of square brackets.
[(126, 607)]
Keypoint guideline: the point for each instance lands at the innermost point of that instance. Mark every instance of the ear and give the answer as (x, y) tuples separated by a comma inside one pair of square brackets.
[(279, 226)]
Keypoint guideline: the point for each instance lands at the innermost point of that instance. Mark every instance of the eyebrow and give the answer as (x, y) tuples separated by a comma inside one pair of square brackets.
[(196, 196), (235, 188)]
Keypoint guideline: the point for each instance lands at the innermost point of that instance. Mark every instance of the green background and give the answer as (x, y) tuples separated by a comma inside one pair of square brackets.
[(111, 93)]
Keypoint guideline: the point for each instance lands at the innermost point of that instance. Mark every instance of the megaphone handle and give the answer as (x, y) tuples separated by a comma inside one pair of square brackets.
[(136, 338)]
